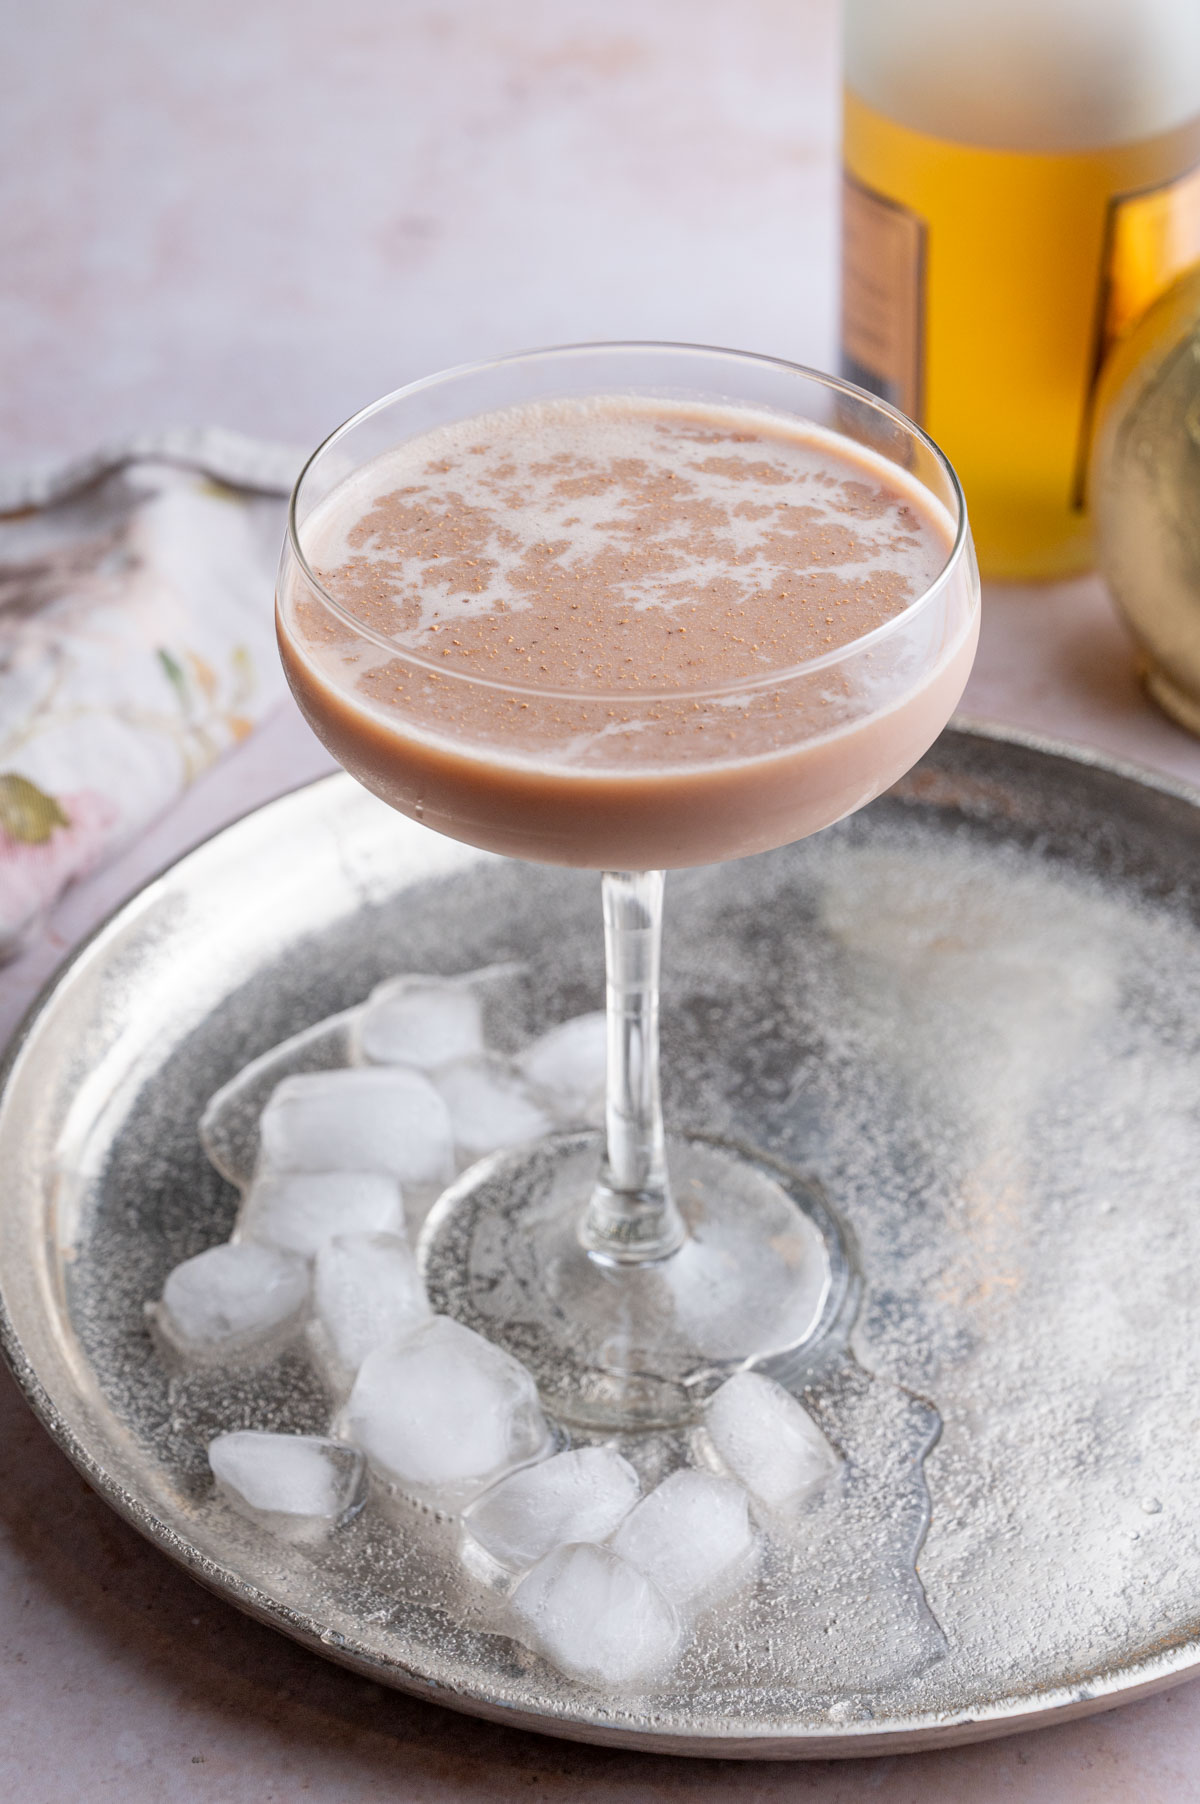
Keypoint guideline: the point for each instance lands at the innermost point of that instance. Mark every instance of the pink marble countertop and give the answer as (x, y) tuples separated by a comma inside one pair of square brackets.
[(261, 215)]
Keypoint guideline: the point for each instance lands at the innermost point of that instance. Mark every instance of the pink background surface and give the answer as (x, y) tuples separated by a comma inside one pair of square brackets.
[(262, 217)]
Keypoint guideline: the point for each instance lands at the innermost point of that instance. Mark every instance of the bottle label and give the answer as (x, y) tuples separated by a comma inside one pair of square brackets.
[(982, 290), (1150, 237), (883, 296)]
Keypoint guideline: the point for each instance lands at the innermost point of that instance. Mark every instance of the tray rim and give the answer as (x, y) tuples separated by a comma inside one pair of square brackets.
[(1015, 1714)]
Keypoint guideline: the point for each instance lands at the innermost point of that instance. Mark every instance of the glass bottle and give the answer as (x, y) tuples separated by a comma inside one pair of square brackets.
[(1022, 179)]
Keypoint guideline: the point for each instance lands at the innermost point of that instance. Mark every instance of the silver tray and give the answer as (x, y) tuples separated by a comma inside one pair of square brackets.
[(971, 1013)]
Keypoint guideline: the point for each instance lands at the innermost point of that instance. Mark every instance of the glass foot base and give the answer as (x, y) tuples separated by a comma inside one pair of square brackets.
[(761, 1273)]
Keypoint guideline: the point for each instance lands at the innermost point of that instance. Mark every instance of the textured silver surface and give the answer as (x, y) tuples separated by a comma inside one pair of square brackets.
[(972, 1012)]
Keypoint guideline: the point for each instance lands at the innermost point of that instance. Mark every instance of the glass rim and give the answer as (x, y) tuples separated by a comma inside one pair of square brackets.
[(642, 696)]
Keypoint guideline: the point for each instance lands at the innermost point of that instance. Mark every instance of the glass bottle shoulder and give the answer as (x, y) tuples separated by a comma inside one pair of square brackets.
[(1031, 75)]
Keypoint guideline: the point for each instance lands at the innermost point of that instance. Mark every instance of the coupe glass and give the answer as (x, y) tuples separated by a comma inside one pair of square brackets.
[(630, 1270)]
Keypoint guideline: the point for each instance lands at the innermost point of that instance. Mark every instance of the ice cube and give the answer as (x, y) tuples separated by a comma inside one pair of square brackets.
[(596, 1617), (389, 1120), (577, 1496), (232, 1299), (368, 1293), (691, 1532), (283, 1480), (301, 1210), (490, 1105), (568, 1063), (445, 1414), (422, 1021), (767, 1439)]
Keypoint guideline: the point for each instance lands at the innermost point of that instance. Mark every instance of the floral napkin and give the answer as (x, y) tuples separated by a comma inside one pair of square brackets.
[(136, 643)]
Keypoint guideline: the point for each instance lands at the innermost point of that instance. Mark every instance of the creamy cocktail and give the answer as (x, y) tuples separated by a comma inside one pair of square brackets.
[(629, 607), (604, 631)]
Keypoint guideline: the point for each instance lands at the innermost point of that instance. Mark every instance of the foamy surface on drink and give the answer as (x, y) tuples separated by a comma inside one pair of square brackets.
[(669, 558)]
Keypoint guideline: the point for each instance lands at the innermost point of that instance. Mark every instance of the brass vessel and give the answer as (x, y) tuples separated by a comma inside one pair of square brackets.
[(1145, 493)]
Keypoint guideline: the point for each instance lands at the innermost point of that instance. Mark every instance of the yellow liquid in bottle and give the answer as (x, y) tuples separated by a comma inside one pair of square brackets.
[(982, 289)]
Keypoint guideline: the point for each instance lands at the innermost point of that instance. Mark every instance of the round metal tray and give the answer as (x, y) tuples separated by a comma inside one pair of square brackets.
[(971, 1013)]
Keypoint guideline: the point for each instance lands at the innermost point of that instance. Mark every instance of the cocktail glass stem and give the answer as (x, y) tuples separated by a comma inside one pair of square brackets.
[(631, 1217)]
